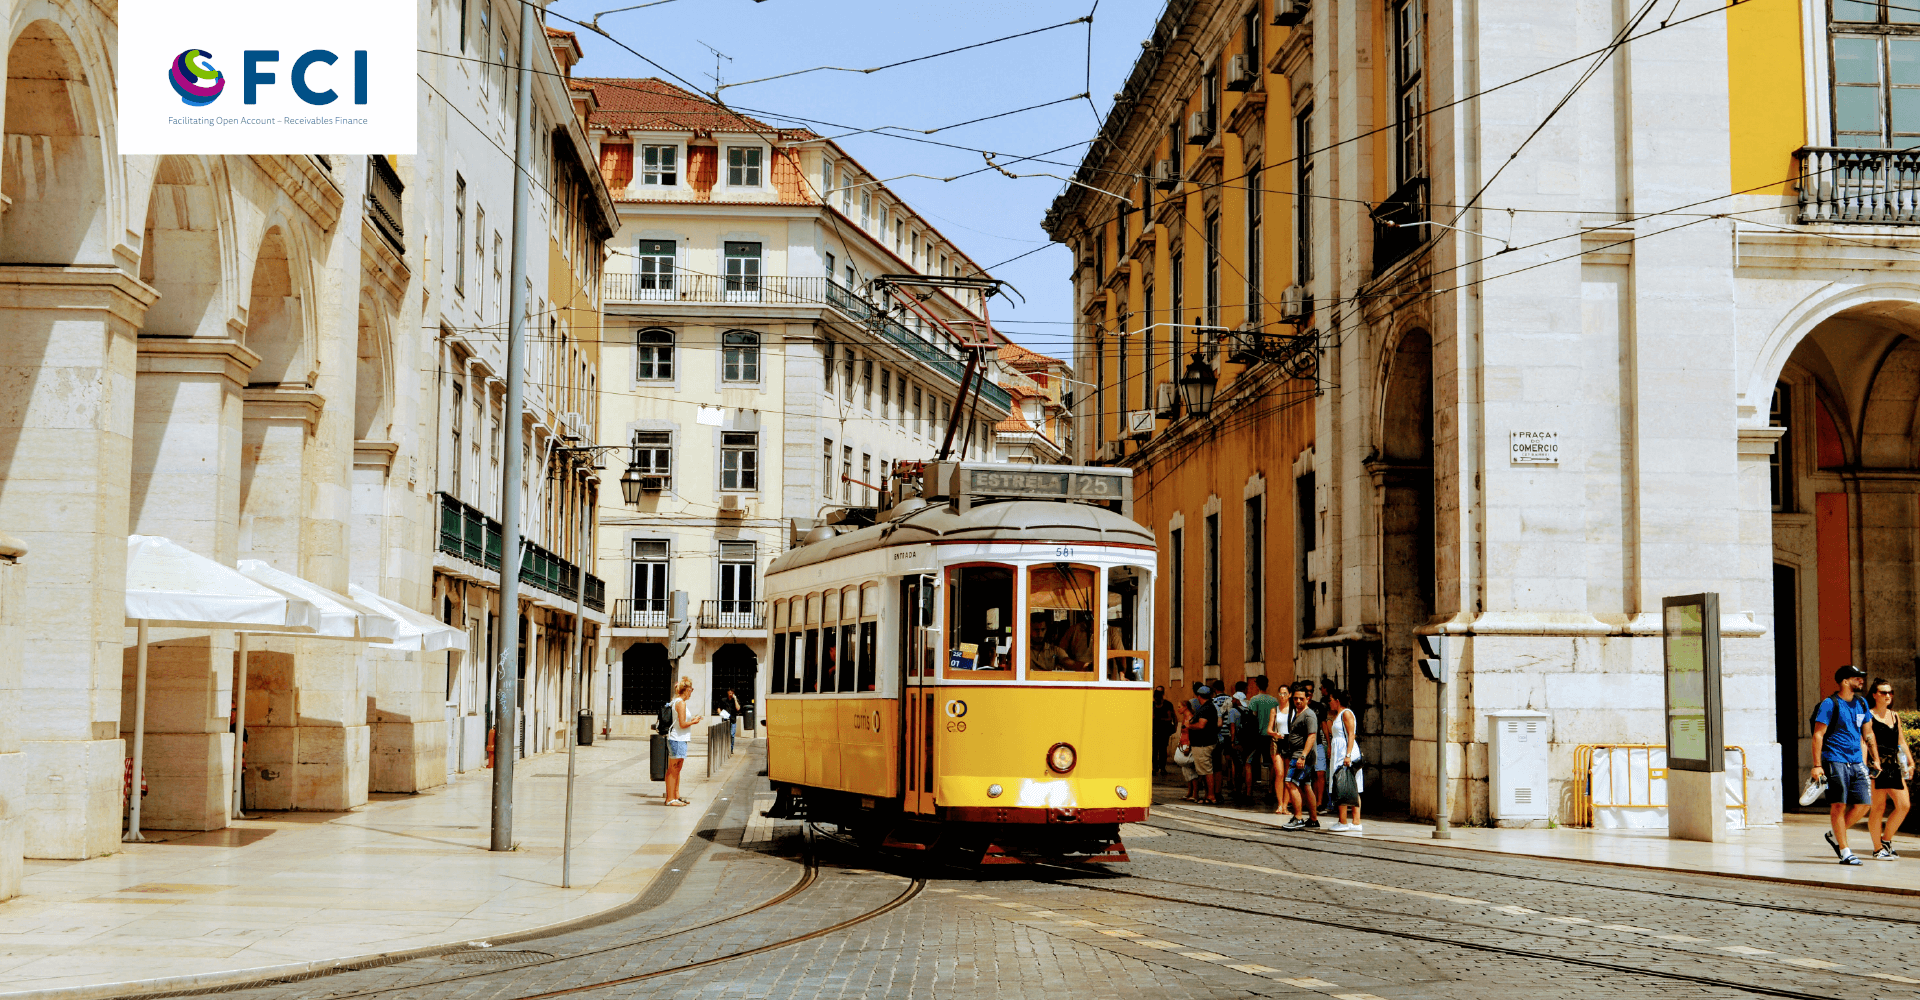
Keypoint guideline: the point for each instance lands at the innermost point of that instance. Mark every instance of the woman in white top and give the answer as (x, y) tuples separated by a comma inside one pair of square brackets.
[(678, 736), (1343, 751)]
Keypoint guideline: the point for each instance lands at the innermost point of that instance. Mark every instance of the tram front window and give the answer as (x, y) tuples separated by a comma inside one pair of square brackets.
[(1060, 622), (1127, 638), (980, 622)]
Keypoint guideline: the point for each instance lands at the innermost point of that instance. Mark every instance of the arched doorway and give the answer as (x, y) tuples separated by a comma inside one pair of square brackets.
[(645, 683), (1402, 472), (734, 669)]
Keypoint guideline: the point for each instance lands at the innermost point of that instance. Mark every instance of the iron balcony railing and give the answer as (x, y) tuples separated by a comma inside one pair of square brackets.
[(468, 534), (383, 202), (1396, 224), (639, 612), (1879, 187), (733, 614)]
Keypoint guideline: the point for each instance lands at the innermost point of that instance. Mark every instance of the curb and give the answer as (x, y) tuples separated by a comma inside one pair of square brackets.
[(1888, 890), (267, 975)]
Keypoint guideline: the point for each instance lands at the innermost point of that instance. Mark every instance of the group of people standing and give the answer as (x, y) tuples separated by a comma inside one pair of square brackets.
[(1249, 747)]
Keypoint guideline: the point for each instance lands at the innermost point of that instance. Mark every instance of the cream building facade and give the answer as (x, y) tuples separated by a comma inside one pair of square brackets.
[(765, 384), (242, 354)]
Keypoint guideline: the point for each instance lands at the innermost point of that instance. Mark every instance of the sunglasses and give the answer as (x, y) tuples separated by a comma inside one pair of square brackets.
[(1886, 691)]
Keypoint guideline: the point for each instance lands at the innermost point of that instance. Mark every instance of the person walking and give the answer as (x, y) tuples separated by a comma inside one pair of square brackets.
[(1203, 731), (1842, 745), (1164, 727), (678, 737), (1890, 786), (1298, 730), (1343, 751)]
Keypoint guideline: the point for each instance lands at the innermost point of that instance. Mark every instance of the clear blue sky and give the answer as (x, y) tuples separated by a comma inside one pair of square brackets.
[(989, 216)]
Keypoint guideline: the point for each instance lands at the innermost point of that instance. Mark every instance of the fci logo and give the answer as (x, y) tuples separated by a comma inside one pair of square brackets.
[(198, 83)]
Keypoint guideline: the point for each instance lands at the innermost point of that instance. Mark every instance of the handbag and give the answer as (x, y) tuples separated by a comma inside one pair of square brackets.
[(1183, 755), (1345, 791)]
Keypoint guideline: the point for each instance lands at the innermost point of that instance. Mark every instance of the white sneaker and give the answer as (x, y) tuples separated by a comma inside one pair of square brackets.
[(1339, 828), (1353, 828)]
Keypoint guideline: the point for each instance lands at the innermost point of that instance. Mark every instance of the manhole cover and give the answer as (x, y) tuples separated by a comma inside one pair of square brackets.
[(492, 957)]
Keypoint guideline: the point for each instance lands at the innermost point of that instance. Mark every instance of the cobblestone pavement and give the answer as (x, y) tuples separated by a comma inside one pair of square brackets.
[(1209, 907)]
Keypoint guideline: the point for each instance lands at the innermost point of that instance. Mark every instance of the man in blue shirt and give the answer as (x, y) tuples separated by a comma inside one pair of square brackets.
[(1842, 745)]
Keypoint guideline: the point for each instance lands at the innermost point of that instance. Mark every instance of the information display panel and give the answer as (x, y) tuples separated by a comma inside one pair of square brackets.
[(1691, 638)]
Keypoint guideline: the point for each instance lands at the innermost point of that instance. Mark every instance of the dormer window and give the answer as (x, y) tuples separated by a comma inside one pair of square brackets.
[(743, 166), (660, 166)]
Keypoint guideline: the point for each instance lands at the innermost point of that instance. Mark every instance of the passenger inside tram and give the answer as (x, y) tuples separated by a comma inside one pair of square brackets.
[(1060, 617)]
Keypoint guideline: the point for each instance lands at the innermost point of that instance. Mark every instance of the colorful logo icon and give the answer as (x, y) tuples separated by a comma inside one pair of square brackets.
[(194, 78)]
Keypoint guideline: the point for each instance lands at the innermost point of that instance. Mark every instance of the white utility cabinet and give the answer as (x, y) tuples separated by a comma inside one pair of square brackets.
[(1517, 764)]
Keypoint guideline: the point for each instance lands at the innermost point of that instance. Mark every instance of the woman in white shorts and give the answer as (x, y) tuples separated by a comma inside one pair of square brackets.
[(678, 737)]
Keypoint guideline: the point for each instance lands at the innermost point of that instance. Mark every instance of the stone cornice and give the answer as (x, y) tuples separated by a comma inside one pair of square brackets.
[(374, 454), (1760, 440), (1248, 115), (197, 356), (76, 287), (269, 402), (310, 187), (1293, 58)]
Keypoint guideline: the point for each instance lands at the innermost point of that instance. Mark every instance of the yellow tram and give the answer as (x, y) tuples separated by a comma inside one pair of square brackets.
[(969, 671)]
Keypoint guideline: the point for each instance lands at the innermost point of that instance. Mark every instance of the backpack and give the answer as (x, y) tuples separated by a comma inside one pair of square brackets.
[(664, 725)]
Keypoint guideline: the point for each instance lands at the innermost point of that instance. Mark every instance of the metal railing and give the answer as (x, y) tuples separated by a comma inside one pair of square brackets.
[(639, 612), (733, 614), (475, 537), (1395, 234), (1860, 186), (383, 202), (1634, 788)]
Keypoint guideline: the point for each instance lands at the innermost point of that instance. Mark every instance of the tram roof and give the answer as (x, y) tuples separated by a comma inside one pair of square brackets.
[(1009, 521)]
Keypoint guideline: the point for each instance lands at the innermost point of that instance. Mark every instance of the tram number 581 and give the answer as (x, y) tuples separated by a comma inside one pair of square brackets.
[(1063, 552)]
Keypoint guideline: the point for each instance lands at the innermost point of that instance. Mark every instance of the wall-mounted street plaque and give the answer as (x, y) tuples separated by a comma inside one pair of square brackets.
[(1534, 447)]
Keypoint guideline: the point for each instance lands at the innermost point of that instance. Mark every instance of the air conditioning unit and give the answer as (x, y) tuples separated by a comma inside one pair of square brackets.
[(1287, 13), (730, 503), (1199, 129), (1164, 176), (573, 426), (1242, 74), (655, 484), (1166, 396), (1139, 423), (1295, 303)]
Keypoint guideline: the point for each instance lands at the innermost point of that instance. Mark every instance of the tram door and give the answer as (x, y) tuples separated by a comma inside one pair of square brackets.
[(919, 645)]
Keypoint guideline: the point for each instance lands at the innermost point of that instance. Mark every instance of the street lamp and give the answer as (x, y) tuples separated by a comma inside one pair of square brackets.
[(1198, 385), (630, 484)]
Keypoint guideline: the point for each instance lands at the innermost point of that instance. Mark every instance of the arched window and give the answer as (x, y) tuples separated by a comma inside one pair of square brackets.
[(740, 357), (655, 356)]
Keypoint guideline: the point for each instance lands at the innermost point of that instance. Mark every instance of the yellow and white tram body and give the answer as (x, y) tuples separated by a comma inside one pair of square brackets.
[(973, 670)]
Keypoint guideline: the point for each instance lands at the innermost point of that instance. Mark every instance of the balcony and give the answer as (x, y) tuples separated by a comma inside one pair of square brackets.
[(639, 612), (1872, 187), (383, 203), (729, 615), (694, 288), (1396, 229), (466, 533)]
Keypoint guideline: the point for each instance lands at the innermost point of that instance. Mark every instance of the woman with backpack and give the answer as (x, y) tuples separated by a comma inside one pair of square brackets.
[(1890, 783), (679, 735), (1343, 753)]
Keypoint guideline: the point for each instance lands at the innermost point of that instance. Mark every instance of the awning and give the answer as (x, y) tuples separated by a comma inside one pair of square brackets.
[(416, 631), (169, 586), (341, 617)]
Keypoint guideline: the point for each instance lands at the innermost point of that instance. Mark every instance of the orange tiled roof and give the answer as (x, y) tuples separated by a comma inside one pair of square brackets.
[(652, 103), (1015, 356)]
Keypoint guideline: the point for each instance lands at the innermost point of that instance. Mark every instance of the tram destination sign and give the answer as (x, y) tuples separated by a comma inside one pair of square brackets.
[(1021, 482)]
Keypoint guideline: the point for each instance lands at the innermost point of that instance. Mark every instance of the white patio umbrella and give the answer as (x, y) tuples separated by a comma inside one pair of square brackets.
[(172, 587), (418, 632), (342, 619)]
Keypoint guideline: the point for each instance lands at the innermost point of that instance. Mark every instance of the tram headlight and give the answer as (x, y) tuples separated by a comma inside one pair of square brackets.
[(993, 791), (1061, 758), (1120, 790)]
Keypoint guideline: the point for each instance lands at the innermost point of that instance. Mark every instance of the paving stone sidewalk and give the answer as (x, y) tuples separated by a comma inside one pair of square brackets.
[(292, 891)]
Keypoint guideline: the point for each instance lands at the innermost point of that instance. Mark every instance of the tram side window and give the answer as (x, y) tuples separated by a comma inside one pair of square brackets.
[(1060, 622), (850, 665), (1127, 639), (869, 651), (777, 684), (981, 624), (829, 657), (811, 682)]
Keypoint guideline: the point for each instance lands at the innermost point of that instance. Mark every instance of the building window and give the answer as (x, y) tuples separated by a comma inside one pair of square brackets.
[(660, 166), (846, 474), (1876, 74), (1177, 282), (1256, 579), (1210, 103), (743, 269), (1778, 468), (866, 476), (460, 230), (886, 392), (740, 357), (740, 460), (1410, 119), (826, 470), (846, 190), (459, 419), (853, 278), (650, 580), (829, 370), (883, 222), (743, 166), (830, 268), (655, 356), (656, 267), (1100, 379), (902, 401), (1212, 288), (653, 457), (1147, 363), (1126, 372), (1177, 594), (1304, 543), (736, 584), (1210, 593), (1173, 145), (1251, 28), (866, 384), (866, 208), (480, 260), (1303, 194), (826, 181), (1253, 245), (918, 422)]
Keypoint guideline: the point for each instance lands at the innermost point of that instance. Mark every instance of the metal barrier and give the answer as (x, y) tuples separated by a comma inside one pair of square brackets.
[(1639, 784), (719, 747)]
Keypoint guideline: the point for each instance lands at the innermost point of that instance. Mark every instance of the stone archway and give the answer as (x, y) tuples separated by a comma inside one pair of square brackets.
[(54, 167), (736, 668), (1403, 480)]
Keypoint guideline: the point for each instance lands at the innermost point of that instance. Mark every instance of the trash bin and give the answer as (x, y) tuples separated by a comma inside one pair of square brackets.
[(746, 717), (585, 738), (658, 757)]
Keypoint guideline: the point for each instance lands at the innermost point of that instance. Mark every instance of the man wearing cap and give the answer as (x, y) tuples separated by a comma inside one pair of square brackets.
[(1203, 730), (1842, 745)]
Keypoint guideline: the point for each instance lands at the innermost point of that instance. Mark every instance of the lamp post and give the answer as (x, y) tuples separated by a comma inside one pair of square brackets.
[(1198, 385)]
